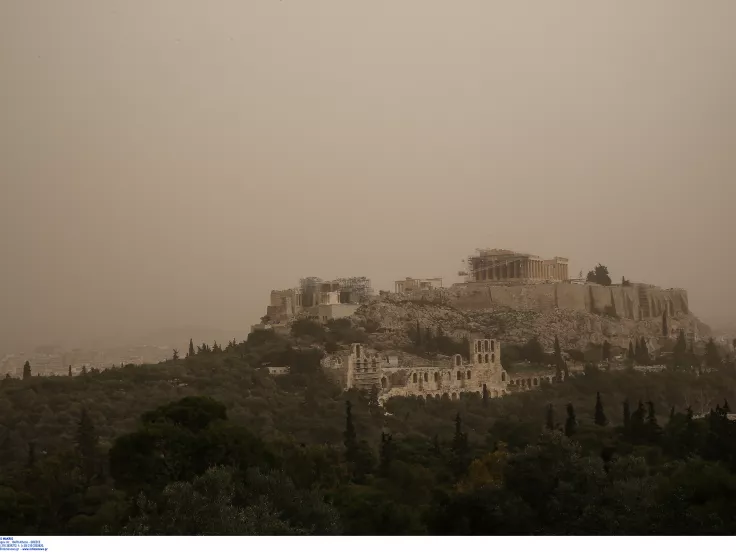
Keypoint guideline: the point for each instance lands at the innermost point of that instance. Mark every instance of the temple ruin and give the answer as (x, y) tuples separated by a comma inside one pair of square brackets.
[(503, 265)]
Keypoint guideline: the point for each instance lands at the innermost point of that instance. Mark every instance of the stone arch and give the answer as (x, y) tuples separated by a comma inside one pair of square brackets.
[(384, 382), (485, 345), (493, 345), (445, 396), (536, 381), (429, 397), (480, 358), (529, 382), (437, 396), (414, 377), (458, 360), (454, 396)]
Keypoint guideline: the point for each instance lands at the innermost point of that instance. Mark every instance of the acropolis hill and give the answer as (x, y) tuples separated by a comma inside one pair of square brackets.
[(519, 295)]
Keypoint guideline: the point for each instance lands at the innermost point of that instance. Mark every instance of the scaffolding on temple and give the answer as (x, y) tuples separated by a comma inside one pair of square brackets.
[(484, 260)]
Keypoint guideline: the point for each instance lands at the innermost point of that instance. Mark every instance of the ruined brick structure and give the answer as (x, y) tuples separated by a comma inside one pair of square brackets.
[(362, 368)]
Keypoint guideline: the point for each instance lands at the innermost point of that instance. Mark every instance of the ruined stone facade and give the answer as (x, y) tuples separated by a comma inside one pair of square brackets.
[(503, 265), (320, 299), (362, 368), (414, 284)]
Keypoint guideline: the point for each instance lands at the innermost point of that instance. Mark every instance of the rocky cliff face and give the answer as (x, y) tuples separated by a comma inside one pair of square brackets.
[(396, 314)]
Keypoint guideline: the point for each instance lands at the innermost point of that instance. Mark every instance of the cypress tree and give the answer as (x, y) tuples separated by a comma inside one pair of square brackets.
[(665, 329), (351, 440), (600, 417), (84, 369), (31, 454), (418, 335), (373, 404), (26, 370), (386, 453), (70, 370), (558, 351), (550, 422), (632, 354), (460, 439), (191, 352), (726, 408), (86, 444), (485, 395), (571, 423), (606, 350), (627, 416), (653, 428), (637, 421)]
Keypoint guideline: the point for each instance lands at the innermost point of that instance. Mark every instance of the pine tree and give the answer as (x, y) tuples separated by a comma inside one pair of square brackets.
[(627, 416), (571, 423), (600, 417), (550, 421), (86, 445), (643, 353), (84, 370), (191, 352), (485, 395), (558, 351), (26, 370), (351, 440), (175, 355)]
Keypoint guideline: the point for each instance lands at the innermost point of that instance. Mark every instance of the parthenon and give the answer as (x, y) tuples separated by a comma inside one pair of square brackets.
[(505, 265)]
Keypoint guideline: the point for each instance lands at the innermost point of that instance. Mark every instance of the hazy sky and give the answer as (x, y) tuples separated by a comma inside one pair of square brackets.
[(170, 162)]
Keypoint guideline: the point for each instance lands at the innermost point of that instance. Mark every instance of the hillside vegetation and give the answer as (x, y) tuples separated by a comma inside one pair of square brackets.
[(211, 444)]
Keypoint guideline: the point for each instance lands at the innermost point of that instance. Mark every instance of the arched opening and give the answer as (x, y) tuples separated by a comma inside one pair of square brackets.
[(414, 378), (436, 376), (437, 396), (357, 350), (426, 376), (454, 396), (486, 358), (458, 360), (445, 396), (493, 358), (468, 374), (485, 345), (459, 375), (503, 376), (480, 359), (536, 382), (529, 382), (384, 383), (429, 397), (493, 345), (495, 394)]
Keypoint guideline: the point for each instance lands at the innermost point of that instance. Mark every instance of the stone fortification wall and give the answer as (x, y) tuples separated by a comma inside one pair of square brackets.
[(634, 302)]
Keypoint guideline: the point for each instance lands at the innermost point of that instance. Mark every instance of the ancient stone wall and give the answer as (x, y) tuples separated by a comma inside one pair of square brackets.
[(635, 302)]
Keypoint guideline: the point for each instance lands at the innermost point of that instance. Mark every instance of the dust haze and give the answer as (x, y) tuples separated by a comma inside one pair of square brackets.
[(168, 163)]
